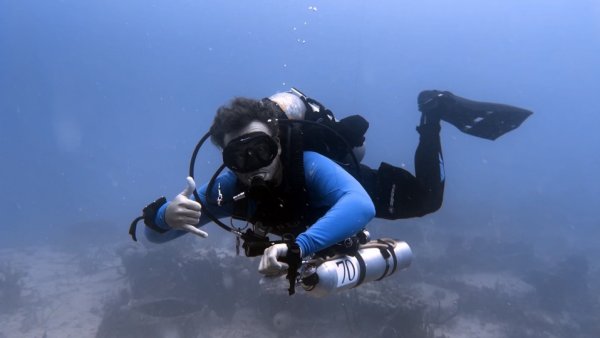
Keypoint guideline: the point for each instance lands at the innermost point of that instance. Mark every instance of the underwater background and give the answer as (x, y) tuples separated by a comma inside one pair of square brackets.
[(102, 103)]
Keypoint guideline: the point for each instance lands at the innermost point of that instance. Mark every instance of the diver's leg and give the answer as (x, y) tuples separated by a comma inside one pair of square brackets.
[(397, 193), (429, 166), (482, 119)]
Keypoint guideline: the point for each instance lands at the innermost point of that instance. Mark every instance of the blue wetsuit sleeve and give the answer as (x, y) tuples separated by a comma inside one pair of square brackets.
[(227, 182), (351, 208)]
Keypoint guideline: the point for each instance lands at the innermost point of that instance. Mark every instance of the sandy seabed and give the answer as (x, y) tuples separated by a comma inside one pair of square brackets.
[(65, 294), (58, 298)]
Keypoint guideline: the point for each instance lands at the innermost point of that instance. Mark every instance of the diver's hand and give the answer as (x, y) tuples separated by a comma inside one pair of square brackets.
[(183, 213), (269, 265)]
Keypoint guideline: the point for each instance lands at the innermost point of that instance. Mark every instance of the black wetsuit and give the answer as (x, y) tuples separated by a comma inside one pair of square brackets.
[(397, 193)]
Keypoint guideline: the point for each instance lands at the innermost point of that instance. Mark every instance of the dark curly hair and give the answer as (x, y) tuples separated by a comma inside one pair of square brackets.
[(239, 113)]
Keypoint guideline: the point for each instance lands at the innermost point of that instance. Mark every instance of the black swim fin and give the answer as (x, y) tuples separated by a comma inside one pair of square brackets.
[(481, 119)]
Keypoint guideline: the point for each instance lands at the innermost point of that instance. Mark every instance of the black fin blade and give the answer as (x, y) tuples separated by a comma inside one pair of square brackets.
[(482, 119), (490, 123)]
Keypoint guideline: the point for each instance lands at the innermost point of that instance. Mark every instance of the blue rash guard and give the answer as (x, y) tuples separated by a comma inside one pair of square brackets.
[(328, 185)]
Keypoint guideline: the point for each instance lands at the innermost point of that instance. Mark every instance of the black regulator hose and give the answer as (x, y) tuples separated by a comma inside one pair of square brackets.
[(197, 196)]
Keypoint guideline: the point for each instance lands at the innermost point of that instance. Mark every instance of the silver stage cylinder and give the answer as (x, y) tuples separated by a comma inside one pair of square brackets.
[(374, 260)]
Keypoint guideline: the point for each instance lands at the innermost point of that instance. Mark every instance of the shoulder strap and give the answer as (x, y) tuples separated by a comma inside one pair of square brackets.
[(293, 156)]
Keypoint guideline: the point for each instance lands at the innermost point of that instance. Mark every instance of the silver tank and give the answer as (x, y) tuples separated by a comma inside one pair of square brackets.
[(375, 260)]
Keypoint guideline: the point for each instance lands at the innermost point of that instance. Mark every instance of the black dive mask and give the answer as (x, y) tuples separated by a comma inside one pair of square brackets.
[(250, 152)]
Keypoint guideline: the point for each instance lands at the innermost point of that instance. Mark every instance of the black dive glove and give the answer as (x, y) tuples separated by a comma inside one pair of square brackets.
[(148, 215)]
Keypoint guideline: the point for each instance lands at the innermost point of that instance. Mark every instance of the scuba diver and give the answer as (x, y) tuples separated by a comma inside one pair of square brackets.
[(293, 171)]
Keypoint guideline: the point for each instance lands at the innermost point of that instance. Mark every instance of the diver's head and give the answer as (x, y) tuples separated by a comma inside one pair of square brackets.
[(239, 113), (291, 104), (246, 130), (253, 152)]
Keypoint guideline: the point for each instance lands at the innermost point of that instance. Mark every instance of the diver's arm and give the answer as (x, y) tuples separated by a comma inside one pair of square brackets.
[(227, 183), (351, 207)]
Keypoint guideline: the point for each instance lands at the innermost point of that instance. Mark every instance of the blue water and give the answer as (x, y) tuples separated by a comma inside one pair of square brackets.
[(101, 102)]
